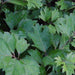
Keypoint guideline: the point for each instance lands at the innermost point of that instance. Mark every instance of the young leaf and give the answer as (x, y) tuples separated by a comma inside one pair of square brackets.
[(52, 29), (68, 63), (34, 3), (64, 4), (40, 38), (45, 14), (66, 25), (55, 15), (49, 60)]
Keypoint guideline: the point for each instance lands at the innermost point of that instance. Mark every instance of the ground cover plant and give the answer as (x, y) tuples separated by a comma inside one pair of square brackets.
[(37, 37)]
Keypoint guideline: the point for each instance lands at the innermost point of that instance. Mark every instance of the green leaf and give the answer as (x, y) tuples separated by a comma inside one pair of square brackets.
[(26, 25), (15, 68), (58, 61), (55, 39), (13, 19), (40, 38), (34, 3), (5, 53), (57, 52), (68, 63), (52, 73), (4, 50), (21, 45), (18, 2), (64, 43), (73, 43), (1, 35), (10, 40), (55, 14), (50, 58), (68, 68), (4, 61), (36, 55), (66, 25), (64, 4), (31, 67), (26, 66), (45, 14), (48, 61), (42, 71), (56, 73), (35, 14), (52, 29), (19, 32)]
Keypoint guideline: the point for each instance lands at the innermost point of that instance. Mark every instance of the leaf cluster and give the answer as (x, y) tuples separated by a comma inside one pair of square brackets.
[(37, 37)]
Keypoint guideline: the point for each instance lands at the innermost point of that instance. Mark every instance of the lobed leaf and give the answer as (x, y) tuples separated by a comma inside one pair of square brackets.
[(40, 38)]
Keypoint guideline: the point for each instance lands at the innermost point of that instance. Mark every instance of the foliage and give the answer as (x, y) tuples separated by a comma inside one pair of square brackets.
[(37, 37), (68, 63)]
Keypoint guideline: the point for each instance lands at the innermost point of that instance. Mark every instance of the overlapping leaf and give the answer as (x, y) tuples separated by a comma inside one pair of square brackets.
[(64, 42), (13, 19), (64, 4), (66, 25), (41, 38), (55, 14), (34, 3), (36, 55), (49, 60), (12, 42), (52, 29), (27, 25), (14, 66), (26, 66), (45, 14), (68, 63)]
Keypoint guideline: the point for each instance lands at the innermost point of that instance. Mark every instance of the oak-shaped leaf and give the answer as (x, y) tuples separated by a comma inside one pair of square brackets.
[(45, 14), (13, 18), (68, 64), (66, 25), (34, 3), (41, 38)]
